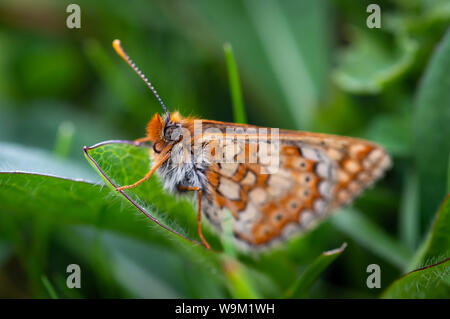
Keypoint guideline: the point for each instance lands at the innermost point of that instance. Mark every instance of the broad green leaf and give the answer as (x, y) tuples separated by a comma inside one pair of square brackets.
[(122, 163), (17, 158), (432, 129), (28, 197), (371, 236), (372, 62), (436, 246), (35, 182), (303, 284), (428, 282)]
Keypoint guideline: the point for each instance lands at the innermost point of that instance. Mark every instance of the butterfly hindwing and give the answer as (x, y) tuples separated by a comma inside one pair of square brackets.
[(316, 174)]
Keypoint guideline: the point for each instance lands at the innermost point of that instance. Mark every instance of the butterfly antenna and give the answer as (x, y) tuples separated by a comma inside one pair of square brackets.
[(120, 51)]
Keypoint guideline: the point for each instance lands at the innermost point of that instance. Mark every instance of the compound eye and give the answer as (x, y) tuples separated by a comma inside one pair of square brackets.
[(158, 147), (172, 133)]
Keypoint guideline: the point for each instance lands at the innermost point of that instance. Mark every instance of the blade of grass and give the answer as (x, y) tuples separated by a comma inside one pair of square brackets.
[(49, 287), (238, 282), (303, 283), (235, 85), (448, 175), (369, 235), (286, 58), (64, 138), (409, 212)]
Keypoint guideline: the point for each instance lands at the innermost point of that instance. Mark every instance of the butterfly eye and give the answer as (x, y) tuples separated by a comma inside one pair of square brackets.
[(172, 133)]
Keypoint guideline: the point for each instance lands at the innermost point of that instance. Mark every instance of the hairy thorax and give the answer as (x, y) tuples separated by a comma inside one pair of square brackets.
[(184, 168)]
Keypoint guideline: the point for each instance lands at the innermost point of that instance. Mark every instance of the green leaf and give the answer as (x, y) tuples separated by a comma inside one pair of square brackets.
[(30, 181), (28, 197), (235, 86), (436, 246), (432, 129), (302, 285), (369, 235), (122, 163), (16, 158), (373, 61), (428, 282)]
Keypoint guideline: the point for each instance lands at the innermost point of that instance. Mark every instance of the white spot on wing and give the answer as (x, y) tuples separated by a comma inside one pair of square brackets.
[(229, 189), (249, 179), (306, 217), (229, 169), (310, 153), (289, 230), (323, 169), (258, 196), (325, 189), (320, 206)]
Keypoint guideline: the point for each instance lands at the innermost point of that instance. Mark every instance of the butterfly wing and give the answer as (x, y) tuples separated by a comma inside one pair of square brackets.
[(317, 173)]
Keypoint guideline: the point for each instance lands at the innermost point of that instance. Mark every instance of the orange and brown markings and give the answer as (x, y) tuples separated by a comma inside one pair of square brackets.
[(300, 188), (277, 213), (359, 166), (231, 190)]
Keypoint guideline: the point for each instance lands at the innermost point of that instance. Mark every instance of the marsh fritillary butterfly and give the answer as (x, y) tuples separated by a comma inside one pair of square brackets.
[(275, 185)]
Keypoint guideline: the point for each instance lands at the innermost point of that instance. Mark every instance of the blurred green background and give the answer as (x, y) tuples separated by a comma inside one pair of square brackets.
[(307, 65)]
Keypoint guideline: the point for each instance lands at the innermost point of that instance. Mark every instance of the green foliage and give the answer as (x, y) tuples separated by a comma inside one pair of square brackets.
[(433, 279), (436, 246), (235, 86), (121, 163), (303, 283), (369, 235), (302, 65), (432, 142), (389, 58), (428, 282), (49, 287)]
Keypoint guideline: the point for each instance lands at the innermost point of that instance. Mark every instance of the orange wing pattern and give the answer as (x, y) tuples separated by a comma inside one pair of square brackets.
[(317, 174)]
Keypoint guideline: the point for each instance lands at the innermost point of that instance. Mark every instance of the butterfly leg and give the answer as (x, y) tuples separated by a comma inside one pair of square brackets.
[(199, 213), (148, 175)]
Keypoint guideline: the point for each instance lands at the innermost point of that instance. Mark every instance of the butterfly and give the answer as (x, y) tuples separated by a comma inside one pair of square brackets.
[(275, 185)]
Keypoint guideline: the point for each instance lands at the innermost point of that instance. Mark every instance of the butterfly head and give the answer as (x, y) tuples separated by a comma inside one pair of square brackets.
[(164, 131)]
